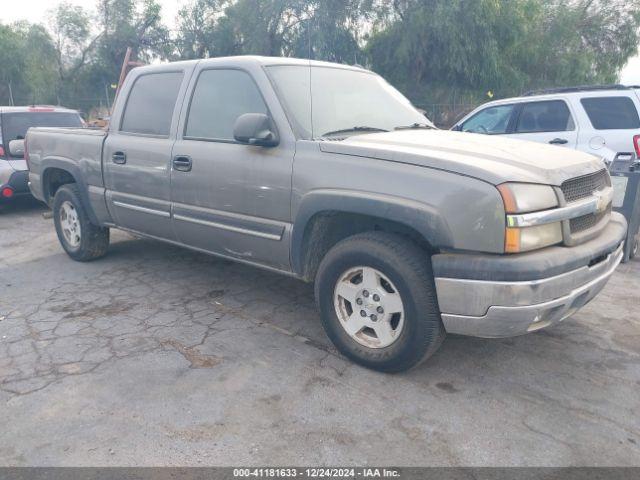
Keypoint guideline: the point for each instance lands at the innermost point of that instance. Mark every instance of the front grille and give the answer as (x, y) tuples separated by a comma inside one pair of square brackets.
[(585, 222), (580, 188), (583, 187)]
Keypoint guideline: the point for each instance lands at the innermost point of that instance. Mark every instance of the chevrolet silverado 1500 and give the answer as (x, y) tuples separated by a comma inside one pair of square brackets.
[(327, 173)]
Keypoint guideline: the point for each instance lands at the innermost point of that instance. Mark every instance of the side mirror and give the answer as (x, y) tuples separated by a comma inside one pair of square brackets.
[(457, 128), (16, 148), (255, 129)]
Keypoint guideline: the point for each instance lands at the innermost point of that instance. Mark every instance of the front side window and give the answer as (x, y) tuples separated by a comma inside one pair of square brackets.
[(492, 120), (611, 113), (219, 98), (328, 101), (547, 116), (151, 103)]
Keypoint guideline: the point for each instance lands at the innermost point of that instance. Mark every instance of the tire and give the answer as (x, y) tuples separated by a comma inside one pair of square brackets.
[(401, 267), (83, 241)]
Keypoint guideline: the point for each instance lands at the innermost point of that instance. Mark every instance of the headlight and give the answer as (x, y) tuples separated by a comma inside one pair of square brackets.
[(527, 197), (524, 198)]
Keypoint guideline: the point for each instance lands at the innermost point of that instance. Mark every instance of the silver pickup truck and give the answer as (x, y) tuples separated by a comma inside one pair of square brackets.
[(326, 173)]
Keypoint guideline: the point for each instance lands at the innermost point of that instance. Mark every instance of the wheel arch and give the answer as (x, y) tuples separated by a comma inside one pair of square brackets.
[(60, 171), (328, 216)]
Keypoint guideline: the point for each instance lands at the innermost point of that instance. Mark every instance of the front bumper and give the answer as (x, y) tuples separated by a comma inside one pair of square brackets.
[(493, 300)]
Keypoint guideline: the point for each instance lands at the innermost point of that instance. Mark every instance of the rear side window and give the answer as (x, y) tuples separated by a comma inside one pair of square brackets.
[(149, 108), (219, 98), (550, 116), (492, 120), (611, 113)]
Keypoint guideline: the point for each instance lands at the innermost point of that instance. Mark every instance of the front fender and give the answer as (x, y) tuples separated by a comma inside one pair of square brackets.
[(419, 216)]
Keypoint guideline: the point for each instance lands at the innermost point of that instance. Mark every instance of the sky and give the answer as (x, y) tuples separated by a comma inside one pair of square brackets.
[(35, 11)]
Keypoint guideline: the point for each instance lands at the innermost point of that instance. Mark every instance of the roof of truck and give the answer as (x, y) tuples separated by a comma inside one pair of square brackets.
[(35, 109)]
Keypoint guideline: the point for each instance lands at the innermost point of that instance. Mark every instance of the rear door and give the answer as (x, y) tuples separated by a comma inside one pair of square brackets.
[(137, 151), (612, 120), (546, 121)]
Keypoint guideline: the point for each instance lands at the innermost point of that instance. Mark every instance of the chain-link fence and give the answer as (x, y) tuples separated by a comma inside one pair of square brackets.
[(89, 107)]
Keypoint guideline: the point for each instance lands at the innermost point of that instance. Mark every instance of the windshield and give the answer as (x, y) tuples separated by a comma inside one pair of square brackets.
[(326, 101), (15, 125)]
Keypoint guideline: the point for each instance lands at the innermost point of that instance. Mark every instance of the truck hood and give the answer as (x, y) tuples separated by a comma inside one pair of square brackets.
[(491, 158)]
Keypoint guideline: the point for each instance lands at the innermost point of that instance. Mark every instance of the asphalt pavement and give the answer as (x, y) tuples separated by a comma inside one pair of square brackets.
[(156, 355)]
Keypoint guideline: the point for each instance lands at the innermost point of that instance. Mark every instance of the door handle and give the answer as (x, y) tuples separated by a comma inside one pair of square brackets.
[(119, 158), (182, 163), (558, 141)]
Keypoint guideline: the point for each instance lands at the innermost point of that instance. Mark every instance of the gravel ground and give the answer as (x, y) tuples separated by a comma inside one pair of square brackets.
[(160, 356)]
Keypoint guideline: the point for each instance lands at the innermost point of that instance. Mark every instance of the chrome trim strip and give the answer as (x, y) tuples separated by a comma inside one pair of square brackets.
[(137, 208), (598, 202), (222, 226)]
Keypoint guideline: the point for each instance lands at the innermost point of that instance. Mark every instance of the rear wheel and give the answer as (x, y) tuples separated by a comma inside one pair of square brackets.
[(82, 240), (378, 303)]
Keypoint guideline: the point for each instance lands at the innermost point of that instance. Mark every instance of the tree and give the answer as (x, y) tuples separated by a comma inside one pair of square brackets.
[(582, 41), (435, 49), (450, 43), (130, 23), (327, 29), (26, 56), (69, 25), (39, 67), (196, 28), (11, 46), (334, 31)]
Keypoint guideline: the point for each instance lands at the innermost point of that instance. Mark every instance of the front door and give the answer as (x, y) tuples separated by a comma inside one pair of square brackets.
[(137, 155), (230, 198)]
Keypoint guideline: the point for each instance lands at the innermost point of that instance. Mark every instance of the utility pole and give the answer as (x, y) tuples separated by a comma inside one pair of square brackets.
[(11, 95)]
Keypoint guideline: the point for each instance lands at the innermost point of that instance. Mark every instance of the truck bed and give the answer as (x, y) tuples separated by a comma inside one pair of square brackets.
[(76, 150)]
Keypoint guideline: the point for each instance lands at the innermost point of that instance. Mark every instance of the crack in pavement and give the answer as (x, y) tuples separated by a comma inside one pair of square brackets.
[(60, 320)]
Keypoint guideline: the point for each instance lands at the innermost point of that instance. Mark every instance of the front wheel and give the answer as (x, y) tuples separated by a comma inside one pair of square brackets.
[(378, 303), (82, 240)]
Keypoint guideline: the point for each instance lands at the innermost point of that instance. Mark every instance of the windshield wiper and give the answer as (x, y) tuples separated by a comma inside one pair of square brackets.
[(354, 129), (415, 126)]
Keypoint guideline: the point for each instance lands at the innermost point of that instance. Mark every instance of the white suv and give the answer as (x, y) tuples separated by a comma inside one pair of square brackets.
[(602, 120)]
